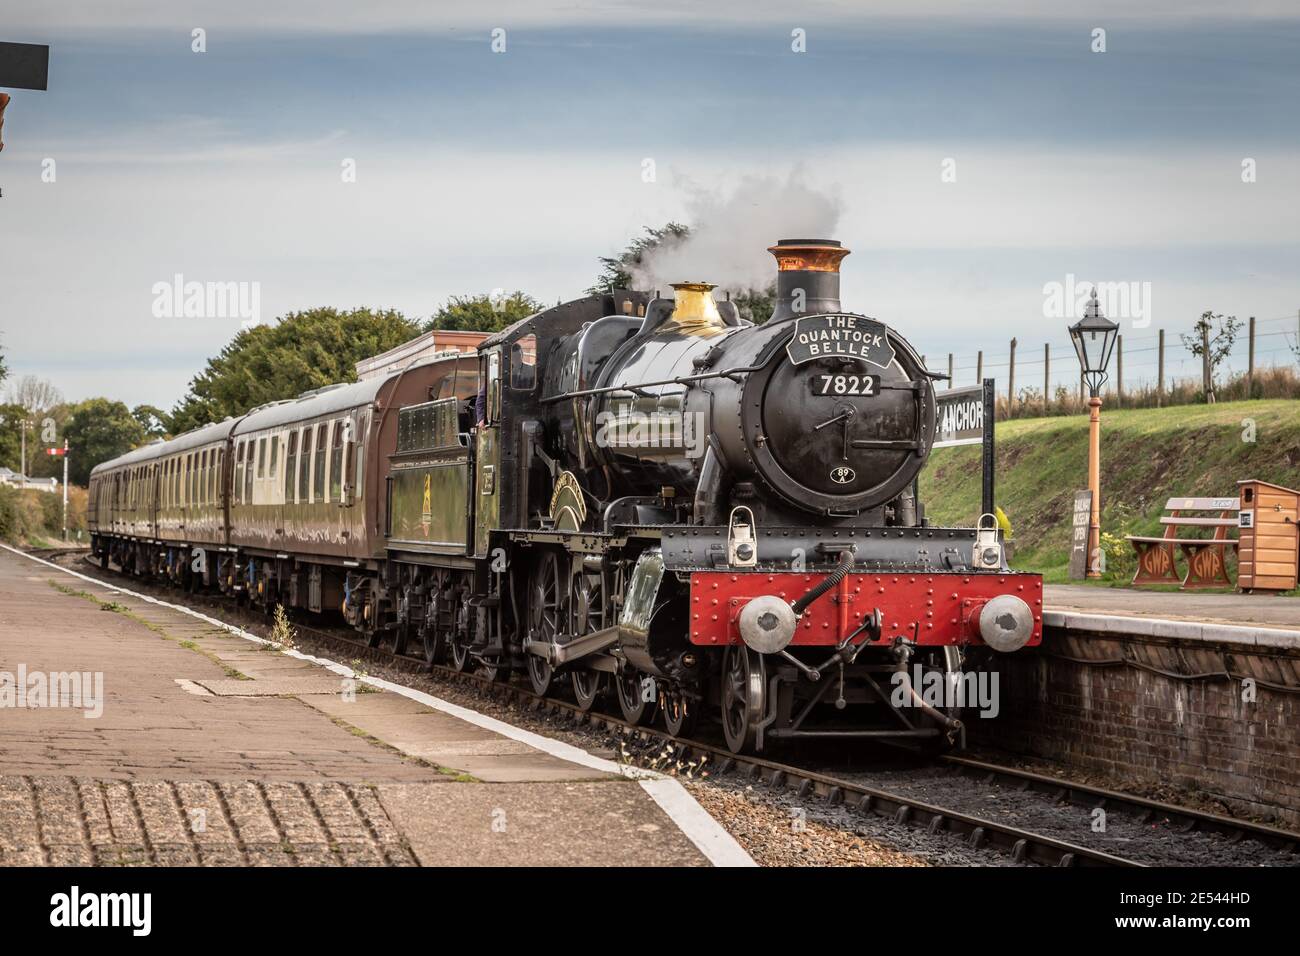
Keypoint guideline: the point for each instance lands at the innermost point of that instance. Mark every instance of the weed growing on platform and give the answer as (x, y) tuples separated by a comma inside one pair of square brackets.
[(283, 635)]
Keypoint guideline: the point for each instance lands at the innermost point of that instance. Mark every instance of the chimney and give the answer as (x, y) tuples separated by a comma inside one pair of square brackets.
[(811, 266)]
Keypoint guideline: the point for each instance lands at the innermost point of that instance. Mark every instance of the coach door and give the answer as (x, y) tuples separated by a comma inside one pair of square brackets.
[(487, 453)]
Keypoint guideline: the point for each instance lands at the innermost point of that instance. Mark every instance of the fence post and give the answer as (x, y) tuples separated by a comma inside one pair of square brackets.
[(1250, 362), (950, 370), (1011, 381), (979, 367), (1047, 373), (1160, 369), (1119, 372)]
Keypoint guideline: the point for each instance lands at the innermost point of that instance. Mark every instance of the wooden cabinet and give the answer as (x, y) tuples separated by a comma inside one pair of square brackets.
[(1268, 549)]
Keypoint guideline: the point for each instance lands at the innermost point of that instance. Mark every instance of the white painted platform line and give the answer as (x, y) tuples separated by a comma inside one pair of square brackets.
[(710, 837)]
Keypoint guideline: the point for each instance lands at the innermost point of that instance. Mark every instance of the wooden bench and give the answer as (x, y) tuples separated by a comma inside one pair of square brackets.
[(1206, 557)]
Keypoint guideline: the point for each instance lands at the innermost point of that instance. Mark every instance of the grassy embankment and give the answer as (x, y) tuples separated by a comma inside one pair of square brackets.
[(32, 518), (1147, 456)]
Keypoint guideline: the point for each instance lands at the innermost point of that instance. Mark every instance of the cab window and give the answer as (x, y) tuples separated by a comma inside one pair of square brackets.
[(523, 364), (492, 387)]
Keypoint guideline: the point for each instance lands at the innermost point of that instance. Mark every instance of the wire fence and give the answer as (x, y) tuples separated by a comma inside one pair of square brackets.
[(1149, 368)]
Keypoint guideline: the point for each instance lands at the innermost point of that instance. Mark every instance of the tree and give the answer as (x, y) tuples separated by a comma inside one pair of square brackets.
[(1211, 340), (756, 304), (11, 418), (303, 350), (99, 429), (616, 271), (152, 420), (36, 395), (4, 369), (482, 313)]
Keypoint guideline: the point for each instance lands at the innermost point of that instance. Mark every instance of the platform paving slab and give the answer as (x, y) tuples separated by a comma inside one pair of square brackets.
[(283, 761), (1256, 610)]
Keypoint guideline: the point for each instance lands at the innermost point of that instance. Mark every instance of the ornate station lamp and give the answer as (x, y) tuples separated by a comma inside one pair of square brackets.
[(1094, 339)]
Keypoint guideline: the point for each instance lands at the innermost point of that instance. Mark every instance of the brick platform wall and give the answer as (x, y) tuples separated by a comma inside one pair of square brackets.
[(1120, 715)]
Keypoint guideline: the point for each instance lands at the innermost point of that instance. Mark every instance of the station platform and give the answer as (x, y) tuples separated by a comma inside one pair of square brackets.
[(1250, 620), (181, 741)]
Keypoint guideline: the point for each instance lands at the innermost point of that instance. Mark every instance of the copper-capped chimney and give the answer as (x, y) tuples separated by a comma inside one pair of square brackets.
[(808, 277)]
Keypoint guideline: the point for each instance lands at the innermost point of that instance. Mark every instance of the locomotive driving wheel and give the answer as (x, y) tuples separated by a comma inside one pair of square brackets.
[(587, 603), (588, 688), (632, 693), (548, 616), (744, 696)]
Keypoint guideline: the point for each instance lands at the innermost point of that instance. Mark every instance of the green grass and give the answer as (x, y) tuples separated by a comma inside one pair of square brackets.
[(1147, 456)]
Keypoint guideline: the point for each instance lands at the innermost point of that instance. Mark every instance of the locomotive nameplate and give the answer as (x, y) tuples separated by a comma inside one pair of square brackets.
[(842, 336)]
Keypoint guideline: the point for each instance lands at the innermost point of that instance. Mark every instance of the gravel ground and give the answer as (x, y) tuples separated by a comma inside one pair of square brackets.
[(778, 827), (1154, 842), (776, 835)]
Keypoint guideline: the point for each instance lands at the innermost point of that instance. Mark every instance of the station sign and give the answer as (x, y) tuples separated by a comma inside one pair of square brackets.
[(959, 417), (1079, 535)]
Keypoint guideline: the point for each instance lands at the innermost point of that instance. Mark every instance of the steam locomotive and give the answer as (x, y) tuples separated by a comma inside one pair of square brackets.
[(637, 500)]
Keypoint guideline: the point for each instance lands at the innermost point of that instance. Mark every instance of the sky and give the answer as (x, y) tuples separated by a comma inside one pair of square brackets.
[(385, 155)]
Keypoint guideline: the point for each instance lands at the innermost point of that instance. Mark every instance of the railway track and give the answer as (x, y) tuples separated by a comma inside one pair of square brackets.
[(1019, 844)]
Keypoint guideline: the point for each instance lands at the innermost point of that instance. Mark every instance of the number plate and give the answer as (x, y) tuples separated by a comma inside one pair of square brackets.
[(863, 386)]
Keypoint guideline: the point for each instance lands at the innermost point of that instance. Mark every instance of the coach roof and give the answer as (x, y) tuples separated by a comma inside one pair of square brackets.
[(204, 435)]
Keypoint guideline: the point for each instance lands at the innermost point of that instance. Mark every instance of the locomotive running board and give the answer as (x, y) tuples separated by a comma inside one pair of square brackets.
[(572, 650)]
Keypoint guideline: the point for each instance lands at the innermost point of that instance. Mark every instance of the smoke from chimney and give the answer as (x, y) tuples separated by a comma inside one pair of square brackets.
[(729, 234)]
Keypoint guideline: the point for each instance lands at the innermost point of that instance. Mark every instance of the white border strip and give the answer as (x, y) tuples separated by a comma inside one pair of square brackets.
[(710, 838), (1262, 634)]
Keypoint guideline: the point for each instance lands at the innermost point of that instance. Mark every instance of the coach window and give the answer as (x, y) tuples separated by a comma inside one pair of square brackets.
[(318, 465), (523, 364), (205, 469), (304, 468), (275, 453), (349, 457), (217, 476), (359, 455), (238, 490), (261, 458), (336, 462), (191, 479), (290, 465), (249, 472)]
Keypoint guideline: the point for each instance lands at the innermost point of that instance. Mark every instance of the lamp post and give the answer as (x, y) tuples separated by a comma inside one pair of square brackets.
[(1094, 340)]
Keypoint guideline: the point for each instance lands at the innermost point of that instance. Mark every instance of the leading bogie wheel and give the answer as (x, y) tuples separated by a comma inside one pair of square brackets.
[(681, 713), (744, 693)]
